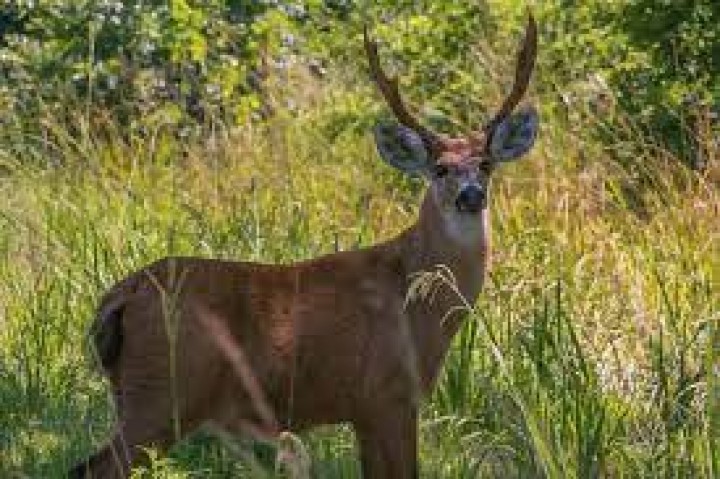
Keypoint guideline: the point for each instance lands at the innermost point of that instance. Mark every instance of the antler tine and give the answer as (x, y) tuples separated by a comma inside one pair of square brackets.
[(523, 72), (390, 91)]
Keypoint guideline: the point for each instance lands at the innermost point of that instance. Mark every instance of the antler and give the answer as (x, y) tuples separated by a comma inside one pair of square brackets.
[(523, 72), (389, 89)]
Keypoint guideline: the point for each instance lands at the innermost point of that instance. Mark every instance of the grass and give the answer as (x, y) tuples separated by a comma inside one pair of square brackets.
[(593, 351)]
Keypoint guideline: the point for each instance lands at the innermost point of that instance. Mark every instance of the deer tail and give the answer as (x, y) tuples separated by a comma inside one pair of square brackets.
[(106, 332)]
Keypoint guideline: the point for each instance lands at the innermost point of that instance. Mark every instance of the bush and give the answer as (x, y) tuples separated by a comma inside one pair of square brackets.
[(138, 59), (186, 63), (659, 59)]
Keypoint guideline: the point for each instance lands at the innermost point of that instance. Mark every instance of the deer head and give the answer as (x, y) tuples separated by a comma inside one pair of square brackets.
[(458, 169)]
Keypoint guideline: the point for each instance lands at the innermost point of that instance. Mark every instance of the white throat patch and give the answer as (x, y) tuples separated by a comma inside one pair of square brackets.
[(464, 229)]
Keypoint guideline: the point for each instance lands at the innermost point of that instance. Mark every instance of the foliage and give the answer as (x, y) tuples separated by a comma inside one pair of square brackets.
[(659, 60), (197, 60), (682, 42), (185, 63), (141, 59)]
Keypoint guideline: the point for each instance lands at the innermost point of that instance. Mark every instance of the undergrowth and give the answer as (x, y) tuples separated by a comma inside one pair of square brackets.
[(593, 351)]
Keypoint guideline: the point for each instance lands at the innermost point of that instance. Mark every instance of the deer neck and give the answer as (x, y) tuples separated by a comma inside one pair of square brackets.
[(435, 241), (434, 320)]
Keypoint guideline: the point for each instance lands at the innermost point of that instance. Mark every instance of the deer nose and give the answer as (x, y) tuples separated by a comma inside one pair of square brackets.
[(471, 199)]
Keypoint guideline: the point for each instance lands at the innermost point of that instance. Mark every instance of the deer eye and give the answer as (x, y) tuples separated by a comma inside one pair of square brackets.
[(485, 167), (441, 171)]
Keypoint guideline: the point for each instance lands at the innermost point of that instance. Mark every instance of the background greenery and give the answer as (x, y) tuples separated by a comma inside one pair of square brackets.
[(133, 130)]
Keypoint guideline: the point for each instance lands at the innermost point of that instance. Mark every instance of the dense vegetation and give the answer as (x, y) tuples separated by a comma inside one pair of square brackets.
[(134, 130)]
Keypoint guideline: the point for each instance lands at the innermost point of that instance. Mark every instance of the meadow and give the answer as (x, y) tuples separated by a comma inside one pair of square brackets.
[(594, 350)]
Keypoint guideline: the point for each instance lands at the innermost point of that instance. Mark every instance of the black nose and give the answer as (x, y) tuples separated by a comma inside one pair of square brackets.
[(471, 199)]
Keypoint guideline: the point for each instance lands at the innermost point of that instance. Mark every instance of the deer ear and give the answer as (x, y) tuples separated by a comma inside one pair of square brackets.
[(514, 136), (401, 147)]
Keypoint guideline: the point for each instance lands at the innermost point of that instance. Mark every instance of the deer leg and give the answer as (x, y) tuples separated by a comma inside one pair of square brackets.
[(127, 449), (106, 463), (143, 422), (388, 444), (124, 451)]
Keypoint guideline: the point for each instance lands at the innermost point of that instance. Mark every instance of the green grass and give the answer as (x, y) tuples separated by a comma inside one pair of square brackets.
[(593, 351)]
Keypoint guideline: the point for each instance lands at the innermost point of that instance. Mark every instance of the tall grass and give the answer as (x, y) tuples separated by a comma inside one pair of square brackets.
[(593, 351)]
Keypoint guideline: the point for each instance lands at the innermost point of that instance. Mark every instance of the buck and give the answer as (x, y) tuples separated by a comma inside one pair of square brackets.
[(263, 349)]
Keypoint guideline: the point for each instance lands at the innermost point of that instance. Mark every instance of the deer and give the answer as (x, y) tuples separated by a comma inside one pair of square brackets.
[(258, 349)]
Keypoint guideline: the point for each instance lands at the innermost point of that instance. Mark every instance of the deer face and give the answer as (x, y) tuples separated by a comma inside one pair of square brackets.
[(458, 169), (459, 180)]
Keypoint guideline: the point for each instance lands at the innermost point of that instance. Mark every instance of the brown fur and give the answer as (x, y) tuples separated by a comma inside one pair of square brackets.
[(326, 341)]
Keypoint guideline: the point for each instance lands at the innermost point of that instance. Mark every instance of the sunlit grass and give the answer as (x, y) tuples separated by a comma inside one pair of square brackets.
[(592, 352)]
